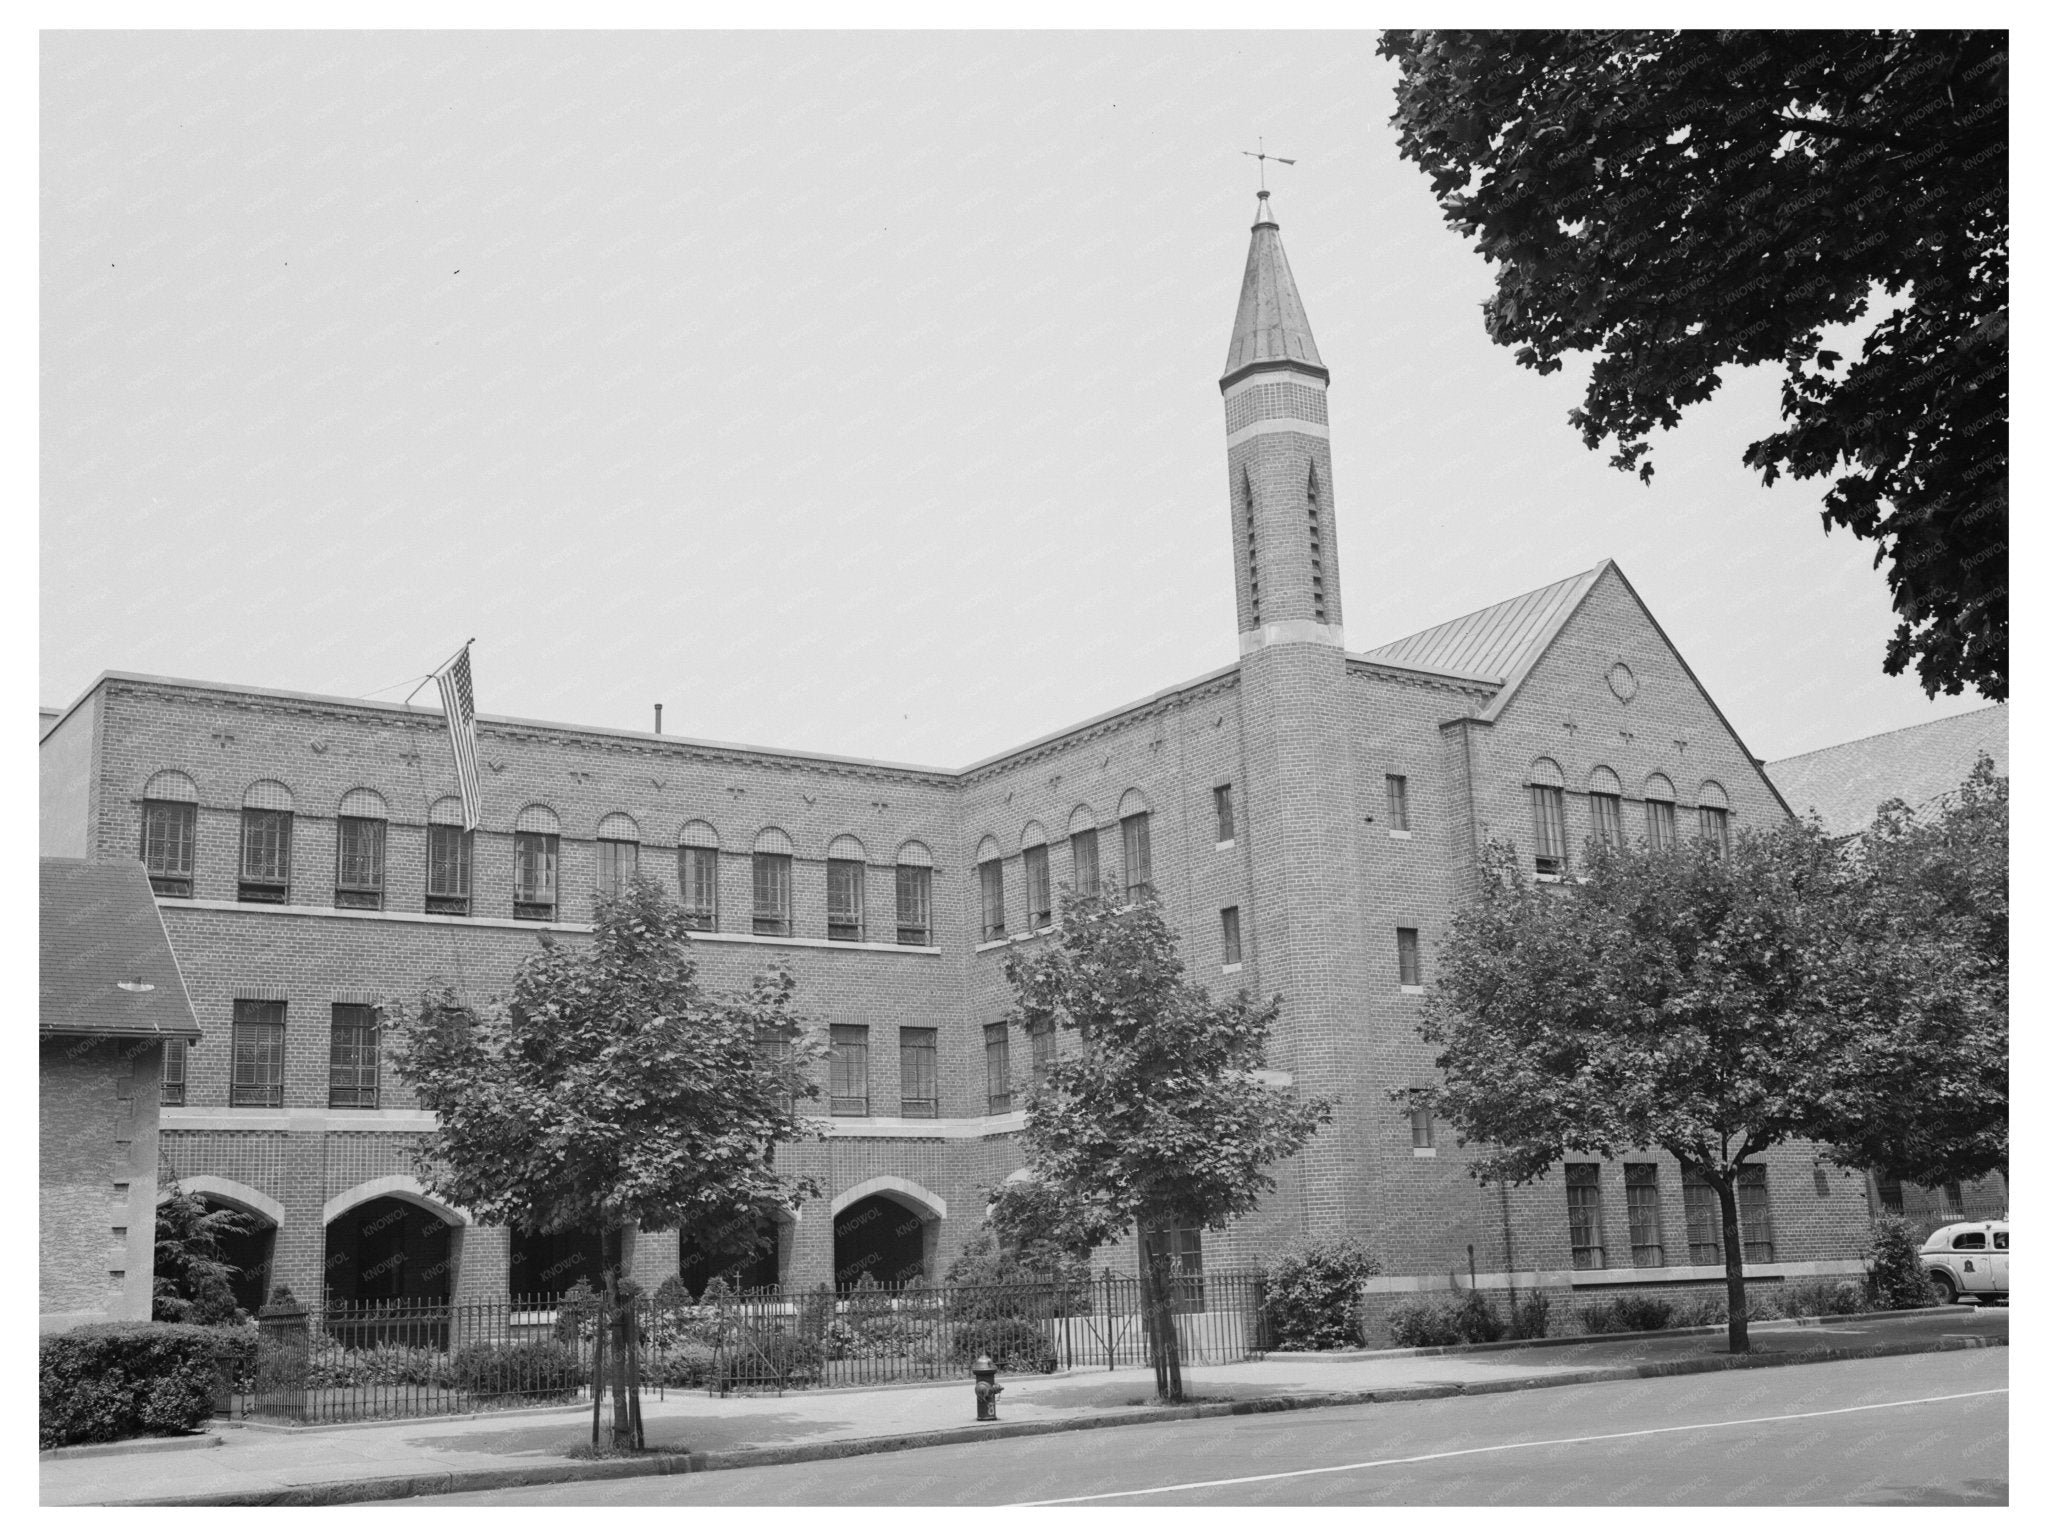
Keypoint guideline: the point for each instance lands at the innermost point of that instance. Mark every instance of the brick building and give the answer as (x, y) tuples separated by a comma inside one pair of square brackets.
[(1308, 816)]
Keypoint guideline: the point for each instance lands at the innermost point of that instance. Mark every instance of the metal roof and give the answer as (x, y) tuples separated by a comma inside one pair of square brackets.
[(1272, 327), (1920, 764), (1494, 643), (107, 966)]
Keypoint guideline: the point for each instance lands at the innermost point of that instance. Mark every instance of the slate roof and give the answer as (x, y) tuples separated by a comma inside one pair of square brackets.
[(1495, 643), (1918, 764), (100, 927), (1272, 327)]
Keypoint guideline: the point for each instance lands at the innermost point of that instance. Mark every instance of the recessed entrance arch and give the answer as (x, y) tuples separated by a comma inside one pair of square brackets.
[(886, 1229), (250, 1251), (389, 1240)]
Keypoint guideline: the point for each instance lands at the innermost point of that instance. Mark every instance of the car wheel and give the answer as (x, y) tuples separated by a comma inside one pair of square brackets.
[(1944, 1289)]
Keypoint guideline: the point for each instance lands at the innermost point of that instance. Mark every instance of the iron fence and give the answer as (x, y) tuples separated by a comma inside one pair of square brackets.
[(425, 1357)]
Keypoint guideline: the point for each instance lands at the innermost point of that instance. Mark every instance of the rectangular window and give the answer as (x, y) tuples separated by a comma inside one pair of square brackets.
[(995, 1045), (1663, 822), (1582, 1202), (173, 1081), (1547, 800), (259, 1055), (1891, 1192), (771, 893), (849, 1069), (920, 1048), (536, 865), (1408, 946), (1038, 886), (992, 900), (913, 904), (1184, 1255), (1397, 802), (1087, 871), (1044, 1052), (1226, 815), (1645, 1215), (1702, 1217), (1233, 946), (697, 881), (169, 832), (448, 871), (778, 1049), (1422, 1126), (617, 862), (359, 862), (1138, 854), (1714, 828), (1607, 819), (352, 1058), (1753, 1210), (845, 899), (266, 855)]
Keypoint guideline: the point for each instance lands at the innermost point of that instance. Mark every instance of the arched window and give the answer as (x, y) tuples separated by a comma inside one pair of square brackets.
[(846, 876), (1714, 816), (1037, 877), (1604, 793), (448, 857), (1081, 843), (988, 860), (618, 853), (914, 894), (1546, 803), (774, 858), (1134, 820), (697, 874), (170, 831), (1660, 810), (266, 843), (359, 850), (536, 864)]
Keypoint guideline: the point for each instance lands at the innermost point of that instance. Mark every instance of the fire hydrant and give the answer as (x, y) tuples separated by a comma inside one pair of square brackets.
[(985, 1389)]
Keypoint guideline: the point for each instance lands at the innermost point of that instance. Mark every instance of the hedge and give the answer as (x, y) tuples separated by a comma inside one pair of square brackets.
[(117, 1381)]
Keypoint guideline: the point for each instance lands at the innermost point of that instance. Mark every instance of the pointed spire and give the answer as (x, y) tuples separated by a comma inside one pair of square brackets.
[(1272, 327)]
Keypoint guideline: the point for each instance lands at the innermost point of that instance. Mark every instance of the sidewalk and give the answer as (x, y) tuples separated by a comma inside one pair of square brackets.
[(254, 1465)]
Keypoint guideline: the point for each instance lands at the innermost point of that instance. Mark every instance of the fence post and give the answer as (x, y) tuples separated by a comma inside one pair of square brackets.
[(284, 1347), (1109, 1314)]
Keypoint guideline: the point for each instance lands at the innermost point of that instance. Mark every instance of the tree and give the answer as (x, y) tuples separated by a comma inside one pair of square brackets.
[(1157, 1121), (193, 1282), (1714, 1005), (1680, 203), (611, 1092)]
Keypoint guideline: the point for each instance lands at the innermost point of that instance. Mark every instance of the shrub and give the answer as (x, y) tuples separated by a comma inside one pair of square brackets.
[(1529, 1317), (1822, 1297), (688, 1364), (1627, 1314), (115, 1381), (776, 1358), (1312, 1295), (1893, 1277), (1762, 1307), (1708, 1309), (1466, 1318), (576, 1313), (541, 1369), (1011, 1343)]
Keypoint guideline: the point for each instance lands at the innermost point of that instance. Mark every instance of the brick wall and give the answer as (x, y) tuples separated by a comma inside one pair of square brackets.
[(97, 1112)]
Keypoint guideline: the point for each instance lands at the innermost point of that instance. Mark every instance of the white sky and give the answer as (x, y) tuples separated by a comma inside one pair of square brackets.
[(854, 393)]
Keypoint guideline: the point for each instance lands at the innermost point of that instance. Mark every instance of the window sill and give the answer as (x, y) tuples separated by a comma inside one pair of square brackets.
[(1231, 968), (1408, 991), (1405, 837), (1423, 1151), (1543, 879), (1774, 1270), (1228, 842)]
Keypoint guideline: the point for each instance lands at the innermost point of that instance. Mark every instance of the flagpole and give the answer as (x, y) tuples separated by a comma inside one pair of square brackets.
[(438, 670)]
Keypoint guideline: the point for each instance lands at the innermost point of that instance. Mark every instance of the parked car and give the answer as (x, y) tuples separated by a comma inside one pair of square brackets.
[(1969, 1261)]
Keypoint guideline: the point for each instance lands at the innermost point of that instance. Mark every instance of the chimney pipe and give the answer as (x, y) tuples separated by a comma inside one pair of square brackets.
[(657, 719)]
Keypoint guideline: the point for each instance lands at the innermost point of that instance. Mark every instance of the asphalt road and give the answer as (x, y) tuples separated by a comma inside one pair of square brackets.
[(1915, 1429)]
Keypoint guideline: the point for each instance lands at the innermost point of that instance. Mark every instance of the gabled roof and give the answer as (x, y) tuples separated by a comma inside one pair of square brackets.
[(1918, 764), (100, 929), (1496, 644), (1272, 327)]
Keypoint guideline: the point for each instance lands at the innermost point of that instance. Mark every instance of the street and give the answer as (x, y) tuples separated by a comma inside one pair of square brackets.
[(1925, 1429)]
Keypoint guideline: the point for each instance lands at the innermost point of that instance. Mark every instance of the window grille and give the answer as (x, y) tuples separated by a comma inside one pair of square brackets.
[(771, 893), (1233, 949), (991, 900), (1702, 1216), (1044, 1052), (1184, 1258), (617, 862), (920, 1050), (1087, 870), (1397, 802), (1645, 1215), (1663, 823), (913, 904), (266, 855), (1714, 828), (352, 1058), (1547, 801), (778, 1050), (1606, 819), (1891, 1193), (1137, 832), (1408, 948), (536, 868), (173, 1079), (258, 1080), (1582, 1201), (448, 851), (995, 1044), (359, 862), (849, 1069), (1226, 815), (1753, 1210), (169, 834), (697, 880), (1038, 886), (845, 889)]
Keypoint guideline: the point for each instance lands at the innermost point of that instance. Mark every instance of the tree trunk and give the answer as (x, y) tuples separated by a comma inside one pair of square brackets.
[(618, 1247), (1731, 1253), (1160, 1328)]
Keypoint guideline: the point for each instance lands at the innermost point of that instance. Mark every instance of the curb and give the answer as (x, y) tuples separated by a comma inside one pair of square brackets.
[(129, 1447), (485, 1479)]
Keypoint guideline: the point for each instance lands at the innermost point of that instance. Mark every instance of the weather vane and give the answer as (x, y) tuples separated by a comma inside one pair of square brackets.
[(1262, 157)]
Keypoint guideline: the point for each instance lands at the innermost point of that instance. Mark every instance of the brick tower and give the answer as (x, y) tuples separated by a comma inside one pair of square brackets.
[(1299, 757)]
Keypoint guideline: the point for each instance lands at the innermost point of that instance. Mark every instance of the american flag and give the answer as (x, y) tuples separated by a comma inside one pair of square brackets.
[(458, 703)]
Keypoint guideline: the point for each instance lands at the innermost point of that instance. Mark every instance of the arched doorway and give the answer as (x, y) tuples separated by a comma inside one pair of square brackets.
[(545, 1264), (249, 1251), (882, 1237), (388, 1249), (745, 1250)]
